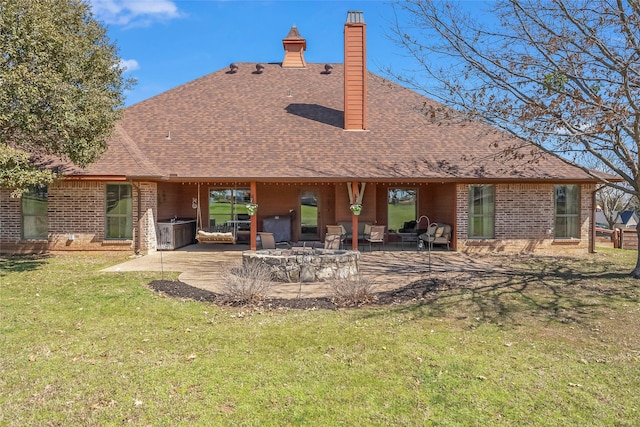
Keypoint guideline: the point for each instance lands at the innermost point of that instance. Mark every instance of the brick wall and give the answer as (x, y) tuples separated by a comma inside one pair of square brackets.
[(76, 211), (524, 219), (77, 217), (10, 225)]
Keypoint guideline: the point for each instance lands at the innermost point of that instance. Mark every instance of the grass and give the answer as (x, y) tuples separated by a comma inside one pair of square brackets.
[(399, 214), (550, 342), (309, 215)]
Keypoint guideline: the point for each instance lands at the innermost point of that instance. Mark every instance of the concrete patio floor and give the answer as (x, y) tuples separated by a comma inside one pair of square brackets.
[(203, 266)]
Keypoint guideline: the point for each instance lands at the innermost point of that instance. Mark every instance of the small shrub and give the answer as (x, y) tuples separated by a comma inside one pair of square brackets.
[(353, 291), (248, 284)]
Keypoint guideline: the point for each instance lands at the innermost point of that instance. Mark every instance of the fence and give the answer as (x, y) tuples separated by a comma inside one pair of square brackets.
[(621, 238)]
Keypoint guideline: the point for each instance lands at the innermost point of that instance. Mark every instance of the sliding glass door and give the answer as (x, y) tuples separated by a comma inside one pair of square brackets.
[(227, 208)]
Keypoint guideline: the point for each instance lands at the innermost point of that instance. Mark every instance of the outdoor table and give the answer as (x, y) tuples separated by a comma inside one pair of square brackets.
[(235, 223), (406, 238)]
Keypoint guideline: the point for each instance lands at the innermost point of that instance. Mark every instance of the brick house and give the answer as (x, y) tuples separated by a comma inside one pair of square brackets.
[(302, 141)]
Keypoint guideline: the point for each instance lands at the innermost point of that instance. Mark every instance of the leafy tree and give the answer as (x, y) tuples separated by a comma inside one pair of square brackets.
[(61, 88), (562, 75)]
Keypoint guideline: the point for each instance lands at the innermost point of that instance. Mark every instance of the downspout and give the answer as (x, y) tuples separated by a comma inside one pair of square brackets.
[(137, 235), (253, 240), (592, 239), (354, 218)]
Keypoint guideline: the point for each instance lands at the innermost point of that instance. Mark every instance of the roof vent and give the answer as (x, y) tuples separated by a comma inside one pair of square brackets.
[(328, 68), (233, 68), (259, 68)]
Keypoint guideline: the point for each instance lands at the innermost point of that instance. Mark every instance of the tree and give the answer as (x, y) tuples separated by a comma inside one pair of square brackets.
[(611, 201), (561, 75), (61, 88)]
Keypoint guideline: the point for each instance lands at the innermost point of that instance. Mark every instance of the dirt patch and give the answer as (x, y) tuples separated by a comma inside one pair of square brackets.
[(415, 291)]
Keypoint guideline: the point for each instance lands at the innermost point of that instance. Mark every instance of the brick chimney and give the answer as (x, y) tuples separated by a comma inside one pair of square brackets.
[(355, 72), (294, 47)]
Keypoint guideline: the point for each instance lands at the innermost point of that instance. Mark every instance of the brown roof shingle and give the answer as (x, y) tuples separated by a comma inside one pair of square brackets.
[(288, 123)]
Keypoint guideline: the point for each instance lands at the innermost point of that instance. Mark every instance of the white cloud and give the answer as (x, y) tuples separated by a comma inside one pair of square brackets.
[(134, 12), (129, 64)]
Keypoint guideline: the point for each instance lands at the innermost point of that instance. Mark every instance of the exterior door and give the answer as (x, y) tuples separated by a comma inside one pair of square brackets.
[(309, 215)]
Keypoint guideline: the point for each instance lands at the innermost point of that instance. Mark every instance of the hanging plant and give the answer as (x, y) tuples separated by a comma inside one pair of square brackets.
[(252, 208), (356, 208)]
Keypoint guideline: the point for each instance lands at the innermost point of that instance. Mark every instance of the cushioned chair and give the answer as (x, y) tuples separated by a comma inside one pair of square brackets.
[(349, 235), (367, 231), (376, 236), (332, 241), (335, 232), (437, 233)]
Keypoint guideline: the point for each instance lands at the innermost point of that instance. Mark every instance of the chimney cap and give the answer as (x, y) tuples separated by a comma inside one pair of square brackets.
[(355, 17)]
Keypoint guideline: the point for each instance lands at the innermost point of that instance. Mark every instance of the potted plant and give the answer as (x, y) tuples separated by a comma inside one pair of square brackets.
[(356, 208), (252, 208)]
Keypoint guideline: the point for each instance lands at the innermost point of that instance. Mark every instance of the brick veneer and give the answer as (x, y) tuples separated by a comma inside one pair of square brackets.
[(523, 211), (524, 219), (149, 209), (77, 219)]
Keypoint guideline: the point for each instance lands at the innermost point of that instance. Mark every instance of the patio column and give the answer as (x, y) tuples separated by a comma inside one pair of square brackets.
[(354, 219), (254, 218)]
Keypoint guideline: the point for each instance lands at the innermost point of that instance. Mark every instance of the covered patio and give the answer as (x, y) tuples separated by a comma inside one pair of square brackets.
[(300, 212)]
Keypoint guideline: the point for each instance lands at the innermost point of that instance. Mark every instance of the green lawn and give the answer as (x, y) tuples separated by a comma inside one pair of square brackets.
[(554, 343), (399, 214), (309, 215)]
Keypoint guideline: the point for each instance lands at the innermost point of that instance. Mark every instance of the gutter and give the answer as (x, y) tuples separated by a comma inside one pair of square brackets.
[(137, 238)]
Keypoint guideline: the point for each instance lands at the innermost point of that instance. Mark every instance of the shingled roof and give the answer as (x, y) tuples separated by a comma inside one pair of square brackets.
[(287, 124)]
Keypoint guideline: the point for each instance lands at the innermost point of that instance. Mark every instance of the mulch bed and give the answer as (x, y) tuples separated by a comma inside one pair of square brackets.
[(413, 292)]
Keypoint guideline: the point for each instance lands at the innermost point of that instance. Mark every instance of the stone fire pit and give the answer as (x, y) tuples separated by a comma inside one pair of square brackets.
[(306, 265)]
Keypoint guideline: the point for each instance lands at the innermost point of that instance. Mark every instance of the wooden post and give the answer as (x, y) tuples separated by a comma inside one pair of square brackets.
[(354, 219), (254, 218)]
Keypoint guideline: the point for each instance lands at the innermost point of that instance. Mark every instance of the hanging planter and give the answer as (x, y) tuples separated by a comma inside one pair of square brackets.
[(252, 208), (356, 208)]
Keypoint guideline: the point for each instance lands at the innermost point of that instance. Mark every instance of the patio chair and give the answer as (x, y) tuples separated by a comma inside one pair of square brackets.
[(376, 236), (332, 241), (437, 233), (366, 233), (336, 232), (268, 241)]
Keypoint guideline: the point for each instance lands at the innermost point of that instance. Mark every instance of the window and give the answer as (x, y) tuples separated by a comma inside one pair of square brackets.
[(567, 209), (402, 204), (119, 211), (481, 207), (35, 221)]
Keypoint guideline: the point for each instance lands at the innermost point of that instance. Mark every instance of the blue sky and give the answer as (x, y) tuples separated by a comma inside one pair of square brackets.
[(165, 43)]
